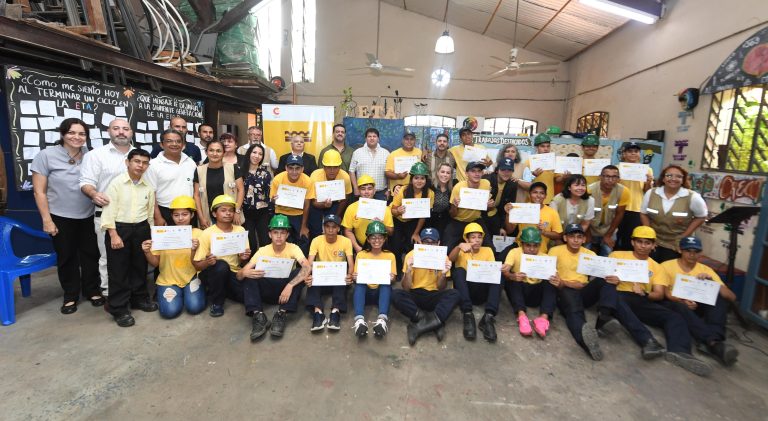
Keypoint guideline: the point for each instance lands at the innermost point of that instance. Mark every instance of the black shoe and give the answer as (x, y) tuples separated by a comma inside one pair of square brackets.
[(97, 302), (68, 309), (259, 325), (652, 349), (440, 333), (278, 323), (470, 331), (591, 342), (487, 326), (216, 310), (318, 322), (426, 324), (334, 321), (690, 363), (125, 320), (145, 305), (723, 352)]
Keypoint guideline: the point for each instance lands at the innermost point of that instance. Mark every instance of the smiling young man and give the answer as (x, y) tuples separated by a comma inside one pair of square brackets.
[(589, 146), (330, 171), (467, 139), (439, 156), (407, 150), (543, 144), (294, 176), (611, 199), (461, 217), (370, 159)]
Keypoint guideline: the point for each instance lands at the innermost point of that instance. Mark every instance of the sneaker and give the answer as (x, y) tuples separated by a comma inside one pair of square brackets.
[(689, 362), (259, 325), (334, 321), (278, 323), (607, 328), (470, 330), (726, 353), (318, 322), (216, 310), (524, 325), (541, 326), (360, 328), (652, 349), (380, 327), (488, 327), (591, 342)]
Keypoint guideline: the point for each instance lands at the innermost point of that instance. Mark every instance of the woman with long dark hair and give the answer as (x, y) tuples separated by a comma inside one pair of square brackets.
[(407, 229), (256, 205), (574, 204), (213, 179)]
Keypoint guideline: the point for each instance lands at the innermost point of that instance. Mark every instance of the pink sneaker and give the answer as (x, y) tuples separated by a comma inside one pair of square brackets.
[(525, 325), (541, 325)]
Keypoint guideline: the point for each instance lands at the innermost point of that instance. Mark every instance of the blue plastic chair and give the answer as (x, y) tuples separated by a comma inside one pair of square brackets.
[(12, 267)]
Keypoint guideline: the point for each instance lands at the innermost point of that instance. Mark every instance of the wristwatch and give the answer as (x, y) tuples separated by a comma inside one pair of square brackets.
[(237, 210)]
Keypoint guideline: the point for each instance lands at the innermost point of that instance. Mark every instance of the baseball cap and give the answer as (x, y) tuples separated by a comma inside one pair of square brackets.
[(331, 218), (294, 160), (573, 228), (507, 164), (475, 164), (430, 234), (630, 145), (690, 243)]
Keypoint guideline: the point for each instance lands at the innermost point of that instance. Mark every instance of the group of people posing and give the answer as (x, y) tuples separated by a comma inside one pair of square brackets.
[(360, 206)]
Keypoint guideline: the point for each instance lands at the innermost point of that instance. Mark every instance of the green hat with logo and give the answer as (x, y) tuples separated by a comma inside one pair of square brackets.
[(554, 130), (376, 227), (541, 138), (419, 168), (530, 235), (590, 140), (279, 222)]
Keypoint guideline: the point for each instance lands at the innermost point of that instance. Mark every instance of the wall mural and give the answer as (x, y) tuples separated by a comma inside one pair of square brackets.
[(745, 189), (747, 65)]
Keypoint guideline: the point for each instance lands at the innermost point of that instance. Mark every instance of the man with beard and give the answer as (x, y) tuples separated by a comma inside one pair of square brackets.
[(207, 134), (340, 145)]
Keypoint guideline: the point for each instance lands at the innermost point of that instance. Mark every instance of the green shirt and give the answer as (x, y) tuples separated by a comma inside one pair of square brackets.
[(346, 156)]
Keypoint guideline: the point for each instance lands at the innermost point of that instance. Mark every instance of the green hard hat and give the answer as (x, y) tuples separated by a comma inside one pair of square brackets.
[(376, 227), (279, 222), (541, 138), (419, 168), (530, 235), (590, 140), (554, 130)]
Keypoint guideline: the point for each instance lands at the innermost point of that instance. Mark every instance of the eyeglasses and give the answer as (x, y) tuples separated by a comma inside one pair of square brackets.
[(677, 176)]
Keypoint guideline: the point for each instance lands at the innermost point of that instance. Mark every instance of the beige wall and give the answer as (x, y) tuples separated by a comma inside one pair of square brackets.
[(636, 72)]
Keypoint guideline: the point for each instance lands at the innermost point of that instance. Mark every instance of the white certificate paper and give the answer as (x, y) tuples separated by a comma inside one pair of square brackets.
[(329, 273), (473, 153), (482, 271), (597, 266), (172, 237), (570, 164), (416, 208), (631, 270), (691, 288), (476, 199), (595, 166), (501, 242), (228, 243), (538, 267), (404, 163), (373, 271), (274, 267), (371, 209), (290, 196), (633, 172), (429, 257), (545, 161), (333, 190), (525, 213)]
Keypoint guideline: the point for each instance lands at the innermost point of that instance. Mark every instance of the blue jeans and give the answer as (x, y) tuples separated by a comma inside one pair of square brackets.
[(364, 295), (180, 298)]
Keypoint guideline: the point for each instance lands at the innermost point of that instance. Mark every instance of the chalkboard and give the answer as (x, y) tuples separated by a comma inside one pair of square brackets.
[(39, 101)]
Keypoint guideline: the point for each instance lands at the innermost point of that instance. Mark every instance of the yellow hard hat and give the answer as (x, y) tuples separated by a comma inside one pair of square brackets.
[(364, 179), (183, 202), (222, 199), (332, 158), (644, 232), (473, 227)]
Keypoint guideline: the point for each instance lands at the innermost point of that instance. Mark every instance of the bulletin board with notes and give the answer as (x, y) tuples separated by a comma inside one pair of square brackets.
[(39, 101)]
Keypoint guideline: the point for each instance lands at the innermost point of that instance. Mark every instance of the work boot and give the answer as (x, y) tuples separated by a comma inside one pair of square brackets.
[(470, 330), (723, 352), (440, 332), (259, 325), (488, 327), (278, 323), (426, 324), (591, 342), (689, 362), (652, 349)]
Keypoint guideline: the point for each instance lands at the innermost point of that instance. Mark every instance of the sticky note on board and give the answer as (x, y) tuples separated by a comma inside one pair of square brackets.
[(120, 111), (31, 152), (28, 123), (31, 139), (141, 126), (152, 125), (94, 133), (47, 108), (106, 118), (47, 123), (70, 113), (51, 137), (28, 107), (88, 118)]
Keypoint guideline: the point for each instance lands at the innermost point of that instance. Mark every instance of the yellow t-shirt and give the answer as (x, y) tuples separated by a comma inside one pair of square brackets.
[(359, 225), (205, 247), (468, 215), (318, 176), (513, 261), (176, 265), (656, 273), (302, 182), (636, 192), (567, 263), (485, 253), (398, 200), (672, 269), (384, 255), (461, 164), (290, 251), (422, 278), (551, 218), (390, 165), (330, 252), (547, 177), (623, 201)]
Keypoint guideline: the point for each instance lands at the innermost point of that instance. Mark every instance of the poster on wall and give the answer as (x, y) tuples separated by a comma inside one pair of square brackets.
[(312, 122), (746, 189)]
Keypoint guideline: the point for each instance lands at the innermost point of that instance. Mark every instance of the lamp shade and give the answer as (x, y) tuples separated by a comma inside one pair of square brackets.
[(444, 44)]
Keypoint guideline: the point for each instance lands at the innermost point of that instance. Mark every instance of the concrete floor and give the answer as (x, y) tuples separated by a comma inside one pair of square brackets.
[(83, 366)]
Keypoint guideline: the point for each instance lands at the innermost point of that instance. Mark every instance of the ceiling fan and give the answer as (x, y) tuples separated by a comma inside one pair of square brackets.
[(513, 65), (373, 60)]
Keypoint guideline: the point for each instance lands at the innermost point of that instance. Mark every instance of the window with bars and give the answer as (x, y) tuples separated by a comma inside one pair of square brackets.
[(594, 122), (430, 121), (737, 131), (510, 125)]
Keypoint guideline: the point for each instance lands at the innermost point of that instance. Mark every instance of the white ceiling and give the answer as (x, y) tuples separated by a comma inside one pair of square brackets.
[(556, 28)]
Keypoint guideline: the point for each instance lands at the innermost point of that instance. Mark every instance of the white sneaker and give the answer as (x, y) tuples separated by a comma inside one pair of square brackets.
[(360, 327), (380, 327)]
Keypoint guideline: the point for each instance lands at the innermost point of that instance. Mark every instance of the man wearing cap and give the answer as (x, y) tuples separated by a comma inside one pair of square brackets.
[(503, 191), (299, 184), (370, 159), (461, 216), (440, 156), (339, 145), (705, 322), (589, 146), (542, 143), (330, 172), (189, 149), (611, 199), (171, 174), (354, 226), (329, 247), (630, 152), (424, 299), (255, 135), (297, 149), (260, 286), (643, 300), (409, 153), (459, 151)]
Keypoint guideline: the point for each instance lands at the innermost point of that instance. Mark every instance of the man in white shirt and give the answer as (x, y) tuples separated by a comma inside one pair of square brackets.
[(256, 135), (170, 174), (370, 159), (98, 169)]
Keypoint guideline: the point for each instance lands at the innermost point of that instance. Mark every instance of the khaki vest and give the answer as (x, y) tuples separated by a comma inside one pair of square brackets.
[(560, 204), (604, 215), (202, 179), (670, 225)]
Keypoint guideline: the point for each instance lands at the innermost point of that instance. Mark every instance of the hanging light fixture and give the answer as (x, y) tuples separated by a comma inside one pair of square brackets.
[(444, 44), (441, 77)]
